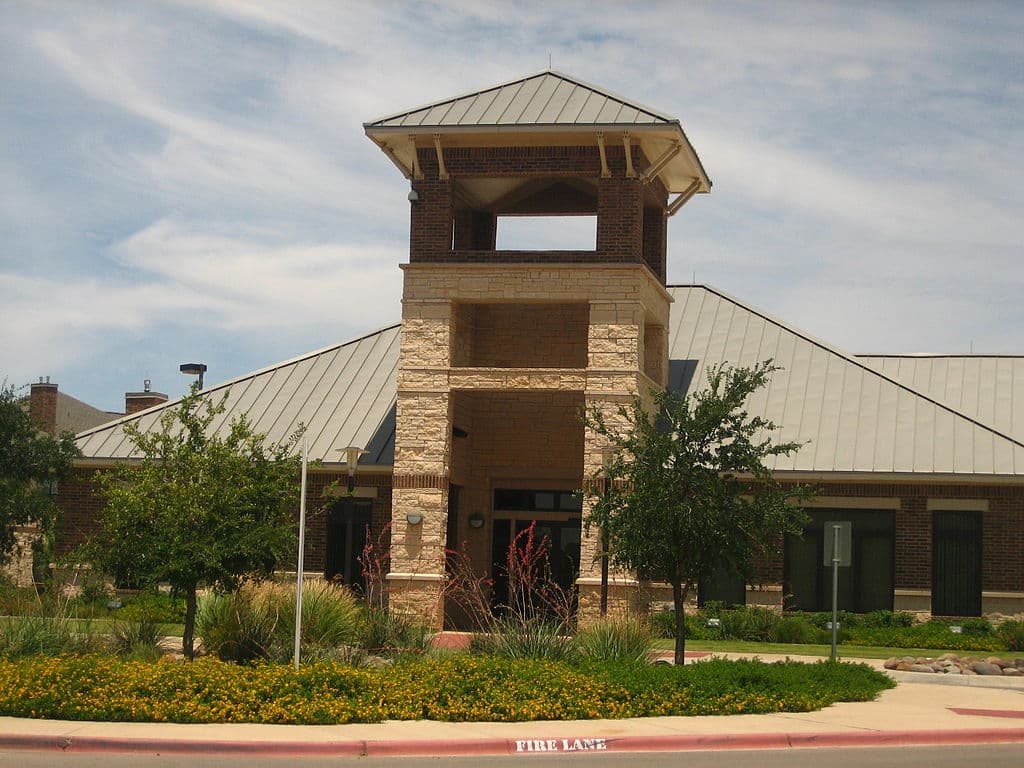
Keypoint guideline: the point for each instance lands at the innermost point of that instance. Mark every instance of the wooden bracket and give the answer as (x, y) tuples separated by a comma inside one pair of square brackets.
[(630, 173), (686, 194), (605, 173), (417, 172), (652, 171), (442, 172)]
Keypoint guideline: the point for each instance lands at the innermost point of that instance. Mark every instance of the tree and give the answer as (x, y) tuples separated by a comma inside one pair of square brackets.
[(198, 508), (686, 490), (30, 461)]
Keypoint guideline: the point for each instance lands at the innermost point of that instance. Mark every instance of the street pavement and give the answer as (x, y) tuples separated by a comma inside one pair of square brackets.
[(922, 709)]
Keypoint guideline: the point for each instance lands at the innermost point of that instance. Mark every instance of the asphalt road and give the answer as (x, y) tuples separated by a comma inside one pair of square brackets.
[(989, 755)]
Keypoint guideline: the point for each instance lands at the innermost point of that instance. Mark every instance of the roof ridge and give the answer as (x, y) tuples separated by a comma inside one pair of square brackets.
[(232, 382), (852, 359), (542, 73)]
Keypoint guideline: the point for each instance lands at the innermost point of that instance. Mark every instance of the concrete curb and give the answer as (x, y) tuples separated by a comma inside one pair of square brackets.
[(501, 746)]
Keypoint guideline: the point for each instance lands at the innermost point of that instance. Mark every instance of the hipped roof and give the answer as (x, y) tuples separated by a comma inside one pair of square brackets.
[(857, 417)]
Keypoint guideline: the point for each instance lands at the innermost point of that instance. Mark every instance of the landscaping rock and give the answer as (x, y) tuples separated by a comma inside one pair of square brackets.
[(893, 662), (1013, 672), (921, 668), (984, 668)]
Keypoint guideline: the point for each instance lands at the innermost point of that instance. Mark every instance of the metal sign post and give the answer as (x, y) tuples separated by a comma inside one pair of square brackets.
[(302, 558), (837, 552)]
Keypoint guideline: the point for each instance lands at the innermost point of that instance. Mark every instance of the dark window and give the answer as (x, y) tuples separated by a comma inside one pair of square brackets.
[(516, 500), (724, 586), (348, 521), (956, 563), (865, 585)]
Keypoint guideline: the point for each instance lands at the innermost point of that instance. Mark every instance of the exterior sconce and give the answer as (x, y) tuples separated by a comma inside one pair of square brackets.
[(352, 454), (476, 520), (414, 518)]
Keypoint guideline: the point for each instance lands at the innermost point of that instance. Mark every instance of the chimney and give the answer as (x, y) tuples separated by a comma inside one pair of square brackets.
[(140, 401), (43, 405)]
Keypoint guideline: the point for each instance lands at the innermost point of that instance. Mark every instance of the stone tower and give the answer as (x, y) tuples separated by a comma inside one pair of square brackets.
[(501, 350)]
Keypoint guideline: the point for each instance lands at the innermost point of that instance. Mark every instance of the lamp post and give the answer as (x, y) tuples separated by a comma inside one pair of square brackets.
[(194, 369)]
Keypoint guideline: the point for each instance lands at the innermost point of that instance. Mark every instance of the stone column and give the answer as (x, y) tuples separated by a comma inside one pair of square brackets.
[(423, 433)]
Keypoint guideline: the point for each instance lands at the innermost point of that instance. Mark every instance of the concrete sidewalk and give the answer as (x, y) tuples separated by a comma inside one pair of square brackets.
[(915, 712)]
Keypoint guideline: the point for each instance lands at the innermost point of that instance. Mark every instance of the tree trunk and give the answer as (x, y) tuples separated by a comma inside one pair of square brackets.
[(679, 603), (188, 639)]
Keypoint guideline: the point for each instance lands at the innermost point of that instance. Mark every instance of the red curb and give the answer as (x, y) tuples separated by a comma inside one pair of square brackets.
[(494, 746)]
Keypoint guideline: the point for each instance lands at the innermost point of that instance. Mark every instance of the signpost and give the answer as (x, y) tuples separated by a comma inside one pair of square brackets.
[(302, 551), (838, 538)]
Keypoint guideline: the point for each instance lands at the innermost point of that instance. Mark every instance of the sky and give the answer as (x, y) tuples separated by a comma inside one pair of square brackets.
[(189, 180)]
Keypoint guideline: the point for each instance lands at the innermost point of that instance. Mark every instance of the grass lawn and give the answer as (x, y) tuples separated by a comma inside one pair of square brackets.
[(796, 649)]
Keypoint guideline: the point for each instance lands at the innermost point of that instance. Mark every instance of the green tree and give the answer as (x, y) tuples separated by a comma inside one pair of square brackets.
[(30, 461), (686, 491), (197, 508)]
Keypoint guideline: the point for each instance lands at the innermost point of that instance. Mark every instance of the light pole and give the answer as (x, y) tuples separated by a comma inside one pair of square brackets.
[(194, 369)]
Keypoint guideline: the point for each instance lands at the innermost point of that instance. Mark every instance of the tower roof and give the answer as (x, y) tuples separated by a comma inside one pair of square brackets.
[(547, 107)]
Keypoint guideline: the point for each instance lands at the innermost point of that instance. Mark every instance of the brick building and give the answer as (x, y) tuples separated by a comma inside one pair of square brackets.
[(469, 409)]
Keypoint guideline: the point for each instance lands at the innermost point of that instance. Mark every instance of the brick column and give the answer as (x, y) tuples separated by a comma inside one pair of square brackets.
[(43, 405)]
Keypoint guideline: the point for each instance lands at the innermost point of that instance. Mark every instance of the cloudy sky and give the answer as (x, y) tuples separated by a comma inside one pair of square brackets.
[(190, 180)]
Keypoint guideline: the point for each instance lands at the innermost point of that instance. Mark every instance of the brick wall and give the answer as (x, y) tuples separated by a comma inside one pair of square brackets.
[(520, 335), (626, 231), (1002, 539), (80, 505)]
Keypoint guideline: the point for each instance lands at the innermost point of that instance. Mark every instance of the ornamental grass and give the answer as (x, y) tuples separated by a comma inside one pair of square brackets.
[(456, 688)]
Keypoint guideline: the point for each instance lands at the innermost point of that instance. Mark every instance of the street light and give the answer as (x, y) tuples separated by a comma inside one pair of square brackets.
[(194, 369), (352, 454)]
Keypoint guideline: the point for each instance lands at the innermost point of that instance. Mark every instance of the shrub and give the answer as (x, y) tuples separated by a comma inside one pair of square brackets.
[(514, 638), (257, 621), (153, 606), (136, 639), (389, 634), (623, 640), (22, 636), (753, 622), (1011, 634), (796, 629), (887, 619)]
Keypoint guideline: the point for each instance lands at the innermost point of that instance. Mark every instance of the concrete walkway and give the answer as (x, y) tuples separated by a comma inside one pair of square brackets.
[(922, 709)]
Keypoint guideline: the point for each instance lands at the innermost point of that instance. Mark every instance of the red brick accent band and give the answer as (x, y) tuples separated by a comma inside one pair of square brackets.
[(421, 481)]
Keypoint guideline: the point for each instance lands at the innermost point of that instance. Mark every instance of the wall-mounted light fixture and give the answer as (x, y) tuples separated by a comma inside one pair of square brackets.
[(352, 454), (414, 196), (476, 520), (414, 518)]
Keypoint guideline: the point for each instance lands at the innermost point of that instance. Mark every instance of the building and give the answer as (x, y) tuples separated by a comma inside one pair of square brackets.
[(469, 409)]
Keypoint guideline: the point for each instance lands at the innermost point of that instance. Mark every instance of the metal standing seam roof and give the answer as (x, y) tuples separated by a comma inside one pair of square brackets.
[(548, 102), (989, 388), (856, 418), (543, 98), (343, 394)]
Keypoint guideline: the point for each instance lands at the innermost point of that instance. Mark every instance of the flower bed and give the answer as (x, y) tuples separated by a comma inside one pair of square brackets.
[(459, 688)]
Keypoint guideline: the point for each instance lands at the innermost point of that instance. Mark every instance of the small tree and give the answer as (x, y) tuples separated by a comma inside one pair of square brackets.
[(687, 490), (198, 509), (30, 461)]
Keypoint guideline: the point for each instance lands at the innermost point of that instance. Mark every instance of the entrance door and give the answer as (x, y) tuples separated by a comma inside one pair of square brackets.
[(348, 521), (956, 563), (562, 539)]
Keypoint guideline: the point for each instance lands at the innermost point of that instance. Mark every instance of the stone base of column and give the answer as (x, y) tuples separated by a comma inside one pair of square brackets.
[(419, 596), (626, 597)]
